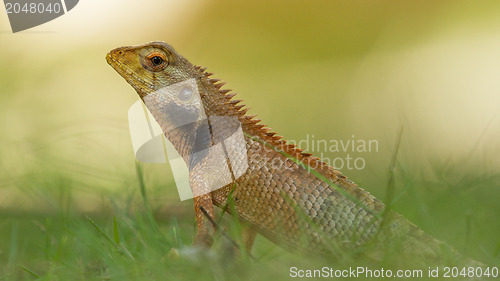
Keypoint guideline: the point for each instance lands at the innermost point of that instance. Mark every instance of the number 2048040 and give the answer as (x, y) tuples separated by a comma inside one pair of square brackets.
[(33, 8), (470, 272)]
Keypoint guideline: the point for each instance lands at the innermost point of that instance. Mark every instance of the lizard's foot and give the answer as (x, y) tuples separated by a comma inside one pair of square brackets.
[(203, 240)]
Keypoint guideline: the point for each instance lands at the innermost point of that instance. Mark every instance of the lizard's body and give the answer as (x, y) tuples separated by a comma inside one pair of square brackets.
[(301, 204)]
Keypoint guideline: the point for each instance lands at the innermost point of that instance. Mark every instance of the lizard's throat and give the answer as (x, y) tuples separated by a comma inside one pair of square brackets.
[(190, 140)]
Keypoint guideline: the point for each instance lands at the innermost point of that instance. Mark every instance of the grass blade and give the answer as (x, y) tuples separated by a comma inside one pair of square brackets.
[(115, 231), (118, 246), (29, 271)]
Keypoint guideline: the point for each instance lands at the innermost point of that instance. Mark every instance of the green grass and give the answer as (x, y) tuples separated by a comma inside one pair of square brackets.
[(118, 245), (133, 239)]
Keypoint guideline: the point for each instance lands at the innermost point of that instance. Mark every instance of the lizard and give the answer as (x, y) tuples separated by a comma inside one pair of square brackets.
[(303, 204)]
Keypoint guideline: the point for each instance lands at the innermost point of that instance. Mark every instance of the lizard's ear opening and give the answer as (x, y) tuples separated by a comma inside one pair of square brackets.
[(155, 61)]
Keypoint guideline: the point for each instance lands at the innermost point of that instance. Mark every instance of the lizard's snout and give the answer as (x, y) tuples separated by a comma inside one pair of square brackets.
[(115, 55), (108, 58), (112, 56)]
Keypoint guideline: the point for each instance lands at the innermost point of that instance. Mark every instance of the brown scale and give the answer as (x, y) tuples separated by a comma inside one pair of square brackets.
[(288, 205)]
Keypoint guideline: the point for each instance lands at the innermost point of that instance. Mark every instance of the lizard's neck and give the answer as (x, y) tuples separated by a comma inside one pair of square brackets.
[(190, 127), (182, 139)]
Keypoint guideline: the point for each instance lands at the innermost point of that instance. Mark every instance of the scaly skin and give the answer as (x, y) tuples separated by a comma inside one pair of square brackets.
[(288, 196)]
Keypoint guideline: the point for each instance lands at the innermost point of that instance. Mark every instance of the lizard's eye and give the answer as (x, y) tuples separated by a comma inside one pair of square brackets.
[(156, 61)]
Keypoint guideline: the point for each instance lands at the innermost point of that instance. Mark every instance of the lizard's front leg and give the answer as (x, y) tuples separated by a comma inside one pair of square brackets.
[(204, 229), (203, 199)]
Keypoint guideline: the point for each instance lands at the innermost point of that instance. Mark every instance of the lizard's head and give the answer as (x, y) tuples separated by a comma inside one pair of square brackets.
[(166, 82), (149, 67)]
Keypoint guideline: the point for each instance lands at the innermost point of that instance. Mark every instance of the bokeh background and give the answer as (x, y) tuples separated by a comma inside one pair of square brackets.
[(332, 69)]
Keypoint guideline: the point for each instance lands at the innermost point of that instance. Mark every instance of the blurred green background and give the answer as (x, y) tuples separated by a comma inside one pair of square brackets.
[(332, 69)]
